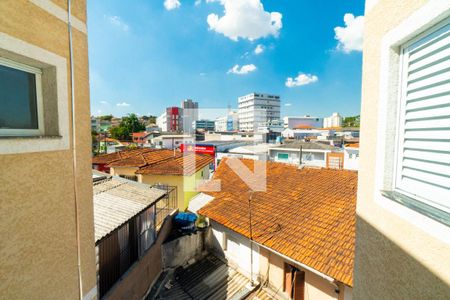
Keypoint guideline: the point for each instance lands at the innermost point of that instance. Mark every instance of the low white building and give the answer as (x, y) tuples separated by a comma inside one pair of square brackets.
[(335, 120), (312, 154), (172, 141), (351, 157), (230, 122), (300, 134), (255, 152), (293, 122)]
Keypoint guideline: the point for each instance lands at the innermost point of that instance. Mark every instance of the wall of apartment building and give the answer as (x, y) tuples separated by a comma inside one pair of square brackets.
[(137, 281), (38, 256), (396, 257)]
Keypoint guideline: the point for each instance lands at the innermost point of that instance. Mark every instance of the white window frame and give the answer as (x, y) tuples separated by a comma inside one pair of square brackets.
[(39, 100), (401, 108), (420, 21)]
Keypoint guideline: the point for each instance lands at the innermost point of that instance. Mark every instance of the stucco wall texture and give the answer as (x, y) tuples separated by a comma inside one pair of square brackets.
[(394, 258), (38, 248)]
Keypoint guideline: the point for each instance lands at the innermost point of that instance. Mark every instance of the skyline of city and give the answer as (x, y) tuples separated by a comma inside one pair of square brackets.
[(306, 53)]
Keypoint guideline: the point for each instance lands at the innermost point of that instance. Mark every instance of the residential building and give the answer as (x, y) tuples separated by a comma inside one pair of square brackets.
[(300, 246), (172, 141), (152, 128), (46, 224), (95, 124), (131, 222), (257, 109), (189, 112), (160, 167), (141, 138), (170, 120), (312, 154), (234, 136), (115, 122), (403, 213), (230, 122), (333, 121), (205, 125), (351, 156), (301, 134), (296, 122)]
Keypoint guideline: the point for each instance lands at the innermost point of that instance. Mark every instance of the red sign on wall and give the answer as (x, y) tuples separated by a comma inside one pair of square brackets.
[(200, 149)]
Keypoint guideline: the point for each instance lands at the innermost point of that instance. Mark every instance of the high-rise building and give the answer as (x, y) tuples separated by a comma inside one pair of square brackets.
[(335, 120), (189, 111), (170, 120), (46, 224), (258, 109)]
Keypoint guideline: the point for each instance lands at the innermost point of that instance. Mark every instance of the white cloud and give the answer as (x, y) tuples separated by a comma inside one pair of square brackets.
[(245, 69), (122, 104), (245, 19), (288, 104), (259, 49), (197, 2), (118, 22), (350, 37), (301, 79), (171, 4), (104, 102)]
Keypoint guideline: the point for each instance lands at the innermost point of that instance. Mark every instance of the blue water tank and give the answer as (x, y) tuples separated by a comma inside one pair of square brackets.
[(185, 222)]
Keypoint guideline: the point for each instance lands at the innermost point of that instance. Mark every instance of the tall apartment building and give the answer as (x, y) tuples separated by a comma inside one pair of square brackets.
[(170, 120), (335, 120), (403, 205), (257, 109), (46, 224), (189, 110)]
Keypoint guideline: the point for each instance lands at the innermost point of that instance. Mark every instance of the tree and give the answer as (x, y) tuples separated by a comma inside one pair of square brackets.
[(351, 121), (127, 127), (106, 117)]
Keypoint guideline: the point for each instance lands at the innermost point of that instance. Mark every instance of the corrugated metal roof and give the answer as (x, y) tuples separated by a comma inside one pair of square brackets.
[(116, 200)]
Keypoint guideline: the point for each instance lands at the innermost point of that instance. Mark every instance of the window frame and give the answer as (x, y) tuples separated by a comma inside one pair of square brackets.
[(39, 100), (420, 204)]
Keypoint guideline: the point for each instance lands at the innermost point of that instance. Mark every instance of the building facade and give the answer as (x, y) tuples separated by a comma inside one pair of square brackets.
[(170, 120), (302, 122), (257, 109), (46, 225), (189, 111), (403, 208), (229, 122), (335, 120), (206, 125)]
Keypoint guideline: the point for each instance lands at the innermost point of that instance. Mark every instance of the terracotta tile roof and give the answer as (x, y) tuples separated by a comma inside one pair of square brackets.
[(182, 165), (305, 214), (152, 156), (354, 145), (111, 157)]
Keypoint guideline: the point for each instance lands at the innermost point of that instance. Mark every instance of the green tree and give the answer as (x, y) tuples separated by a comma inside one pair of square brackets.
[(351, 121), (128, 125)]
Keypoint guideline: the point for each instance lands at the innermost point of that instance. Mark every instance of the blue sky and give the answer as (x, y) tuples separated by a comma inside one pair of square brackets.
[(145, 55)]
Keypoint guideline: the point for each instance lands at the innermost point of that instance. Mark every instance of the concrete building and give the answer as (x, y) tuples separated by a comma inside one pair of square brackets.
[(189, 111), (300, 246), (335, 120), (229, 122), (206, 125), (312, 154), (403, 211), (257, 109), (171, 141), (305, 122), (46, 225), (170, 120)]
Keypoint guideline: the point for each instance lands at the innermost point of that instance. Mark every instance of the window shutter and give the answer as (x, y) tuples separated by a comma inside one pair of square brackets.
[(423, 169)]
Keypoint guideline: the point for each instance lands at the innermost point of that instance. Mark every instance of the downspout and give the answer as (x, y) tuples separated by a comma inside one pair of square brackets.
[(74, 150)]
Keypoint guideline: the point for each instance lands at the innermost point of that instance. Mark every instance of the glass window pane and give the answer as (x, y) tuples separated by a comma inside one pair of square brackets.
[(18, 102)]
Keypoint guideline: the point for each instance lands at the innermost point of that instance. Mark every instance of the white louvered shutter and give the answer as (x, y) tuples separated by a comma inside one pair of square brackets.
[(423, 169)]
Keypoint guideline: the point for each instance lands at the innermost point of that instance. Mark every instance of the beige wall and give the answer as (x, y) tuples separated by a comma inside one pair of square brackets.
[(117, 171), (316, 287), (38, 252), (395, 259), (136, 282)]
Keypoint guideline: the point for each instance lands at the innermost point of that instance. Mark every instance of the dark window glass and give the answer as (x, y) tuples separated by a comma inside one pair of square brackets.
[(18, 102)]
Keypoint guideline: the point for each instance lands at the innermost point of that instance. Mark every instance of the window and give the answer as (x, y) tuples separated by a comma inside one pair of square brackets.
[(283, 156), (21, 99), (422, 170)]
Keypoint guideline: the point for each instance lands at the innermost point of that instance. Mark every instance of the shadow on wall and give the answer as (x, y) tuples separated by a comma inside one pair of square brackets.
[(383, 270)]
